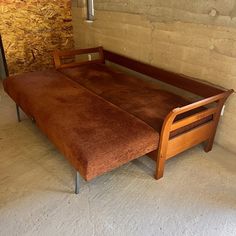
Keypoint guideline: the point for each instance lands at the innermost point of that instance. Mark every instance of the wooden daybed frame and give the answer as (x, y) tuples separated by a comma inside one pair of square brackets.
[(205, 112), (212, 97)]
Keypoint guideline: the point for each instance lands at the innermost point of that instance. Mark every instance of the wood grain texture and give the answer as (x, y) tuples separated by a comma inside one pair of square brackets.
[(170, 147), (188, 139), (196, 117)]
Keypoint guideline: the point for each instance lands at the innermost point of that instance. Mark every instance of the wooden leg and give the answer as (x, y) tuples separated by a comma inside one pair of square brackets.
[(216, 118), (209, 145), (162, 153), (160, 166)]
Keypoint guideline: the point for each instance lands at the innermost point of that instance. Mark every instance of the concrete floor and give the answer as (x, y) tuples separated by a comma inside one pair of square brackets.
[(197, 195)]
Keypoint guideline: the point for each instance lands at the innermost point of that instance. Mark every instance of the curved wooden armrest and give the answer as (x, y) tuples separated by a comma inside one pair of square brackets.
[(171, 146), (220, 99)]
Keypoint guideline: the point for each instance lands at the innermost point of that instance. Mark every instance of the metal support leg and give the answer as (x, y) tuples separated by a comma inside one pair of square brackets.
[(18, 113), (77, 182)]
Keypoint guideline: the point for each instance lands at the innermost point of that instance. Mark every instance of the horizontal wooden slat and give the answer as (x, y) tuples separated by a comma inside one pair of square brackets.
[(189, 139), (74, 64), (193, 118), (177, 80), (202, 102), (57, 55), (78, 51)]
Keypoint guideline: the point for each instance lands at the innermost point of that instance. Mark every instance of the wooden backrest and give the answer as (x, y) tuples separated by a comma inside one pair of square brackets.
[(177, 80), (58, 55)]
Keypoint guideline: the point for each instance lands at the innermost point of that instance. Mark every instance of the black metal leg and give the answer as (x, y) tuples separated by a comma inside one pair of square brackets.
[(18, 113), (77, 182)]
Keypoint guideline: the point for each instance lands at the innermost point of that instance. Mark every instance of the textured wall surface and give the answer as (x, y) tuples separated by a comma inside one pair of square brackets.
[(32, 29), (196, 38)]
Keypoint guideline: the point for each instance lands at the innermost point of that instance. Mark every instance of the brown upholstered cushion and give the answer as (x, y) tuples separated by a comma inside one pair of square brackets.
[(136, 96), (95, 135)]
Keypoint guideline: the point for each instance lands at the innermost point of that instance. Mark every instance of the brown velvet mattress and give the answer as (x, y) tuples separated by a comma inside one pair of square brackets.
[(141, 98), (93, 134)]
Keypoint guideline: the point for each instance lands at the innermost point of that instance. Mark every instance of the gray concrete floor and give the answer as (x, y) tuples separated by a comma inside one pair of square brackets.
[(197, 195)]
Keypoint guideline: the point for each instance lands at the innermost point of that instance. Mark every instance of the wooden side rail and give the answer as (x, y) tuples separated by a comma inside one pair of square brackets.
[(169, 147), (58, 55)]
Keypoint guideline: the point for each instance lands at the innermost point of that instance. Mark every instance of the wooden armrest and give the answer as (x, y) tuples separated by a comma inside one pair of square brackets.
[(205, 132), (220, 99), (198, 134), (57, 55)]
